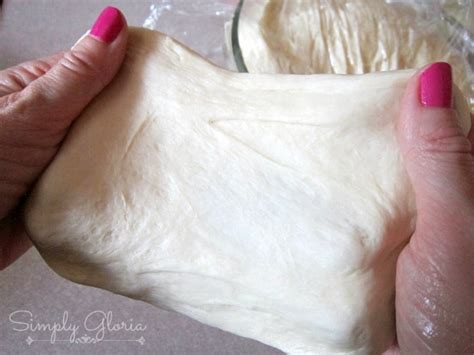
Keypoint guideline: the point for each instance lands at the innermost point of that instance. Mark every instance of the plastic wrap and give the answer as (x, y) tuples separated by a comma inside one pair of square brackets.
[(205, 26), (453, 22), (198, 23)]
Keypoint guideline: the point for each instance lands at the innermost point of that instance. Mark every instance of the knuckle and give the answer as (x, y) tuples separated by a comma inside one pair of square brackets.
[(23, 124), (448, 139), (7, 104), (16, 107), (40, 68), (17, 78), (81, 64), (14, 79), (443, 148)]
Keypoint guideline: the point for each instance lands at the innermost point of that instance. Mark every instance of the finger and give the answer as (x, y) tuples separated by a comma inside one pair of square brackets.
[(18, 77), (34, 121), (435, 148)]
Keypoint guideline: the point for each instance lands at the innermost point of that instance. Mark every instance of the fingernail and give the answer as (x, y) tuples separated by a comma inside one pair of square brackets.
[(436, 84), (108, 25)]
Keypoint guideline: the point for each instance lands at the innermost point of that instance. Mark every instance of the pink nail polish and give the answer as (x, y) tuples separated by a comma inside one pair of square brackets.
[(108, 25), (436, 84)]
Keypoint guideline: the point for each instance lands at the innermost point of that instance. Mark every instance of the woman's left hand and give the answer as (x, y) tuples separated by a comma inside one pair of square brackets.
[(38, 102)]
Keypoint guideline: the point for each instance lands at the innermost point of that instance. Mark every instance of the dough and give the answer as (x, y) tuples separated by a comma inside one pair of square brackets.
[(271, 206), (341, 37), (333, 36)]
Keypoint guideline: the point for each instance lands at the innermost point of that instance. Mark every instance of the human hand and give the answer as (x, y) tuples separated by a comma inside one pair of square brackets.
[(38, 102), (435, 271)]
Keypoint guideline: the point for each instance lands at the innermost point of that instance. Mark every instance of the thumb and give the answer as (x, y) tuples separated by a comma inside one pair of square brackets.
[(52, 101), (434, 143), (434, 275)]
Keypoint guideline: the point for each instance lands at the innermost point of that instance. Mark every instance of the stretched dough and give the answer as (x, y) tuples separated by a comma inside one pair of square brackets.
[(271, 206)]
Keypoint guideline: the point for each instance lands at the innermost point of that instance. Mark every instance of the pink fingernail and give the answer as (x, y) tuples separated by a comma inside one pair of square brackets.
[(108, 25), (436, 85)]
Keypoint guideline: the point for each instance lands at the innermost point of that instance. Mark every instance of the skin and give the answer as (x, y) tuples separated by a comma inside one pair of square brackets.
[(435, 271), (39, 100)]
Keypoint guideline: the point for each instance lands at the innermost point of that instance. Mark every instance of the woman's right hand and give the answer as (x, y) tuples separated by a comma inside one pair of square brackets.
[(435, 271)]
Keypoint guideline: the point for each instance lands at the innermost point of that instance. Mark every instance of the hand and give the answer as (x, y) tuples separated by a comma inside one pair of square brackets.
[(435, 271), (38, 102)]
